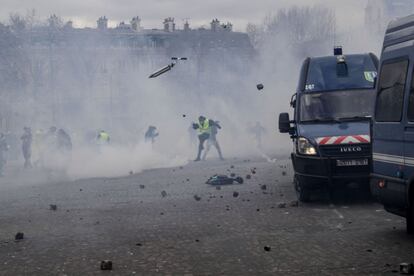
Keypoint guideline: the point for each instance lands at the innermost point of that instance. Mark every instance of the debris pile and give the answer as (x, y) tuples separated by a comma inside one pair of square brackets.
[(224, 180)]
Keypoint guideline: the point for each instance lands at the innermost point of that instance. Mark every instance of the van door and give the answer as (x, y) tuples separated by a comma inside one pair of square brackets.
[(409, 135), (388, 147)]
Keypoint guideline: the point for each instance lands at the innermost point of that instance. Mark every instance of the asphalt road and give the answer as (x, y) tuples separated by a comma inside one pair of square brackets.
[(219, 232)]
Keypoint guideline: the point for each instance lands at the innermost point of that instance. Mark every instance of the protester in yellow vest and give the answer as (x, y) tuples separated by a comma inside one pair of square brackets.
[(103, 137), (204, 131)]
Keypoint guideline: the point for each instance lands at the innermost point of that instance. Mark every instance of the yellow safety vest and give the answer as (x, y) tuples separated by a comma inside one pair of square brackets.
[(204, 128), (103, 136)]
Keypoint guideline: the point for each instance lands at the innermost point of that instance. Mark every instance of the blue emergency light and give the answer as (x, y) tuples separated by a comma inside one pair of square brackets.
[(338, 51)]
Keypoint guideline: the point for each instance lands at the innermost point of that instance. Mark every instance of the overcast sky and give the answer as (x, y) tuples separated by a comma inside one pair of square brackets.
[(239, 12)]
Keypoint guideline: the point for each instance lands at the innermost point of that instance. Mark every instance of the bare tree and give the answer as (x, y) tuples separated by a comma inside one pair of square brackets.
[(302, 24), (17, 23)]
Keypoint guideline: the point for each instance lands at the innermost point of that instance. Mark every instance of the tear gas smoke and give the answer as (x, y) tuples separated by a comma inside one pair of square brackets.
[(91, 82)]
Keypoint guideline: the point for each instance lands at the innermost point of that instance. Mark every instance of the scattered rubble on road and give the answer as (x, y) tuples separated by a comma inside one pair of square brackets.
[(294, 203), (248, 176), (235, 194), (19, 236), (267, 248), (281, 205), (163, 193), (224, 180), (106, 265), (53, 207), (407, 268), (260, 86), (197, 198), (142, 186), (263, 187)]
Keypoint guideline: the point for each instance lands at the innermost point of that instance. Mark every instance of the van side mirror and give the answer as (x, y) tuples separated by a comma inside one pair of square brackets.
[(293, 101), (284, 123)]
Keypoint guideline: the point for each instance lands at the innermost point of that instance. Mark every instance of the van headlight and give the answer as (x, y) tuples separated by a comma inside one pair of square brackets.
[(305, 147)]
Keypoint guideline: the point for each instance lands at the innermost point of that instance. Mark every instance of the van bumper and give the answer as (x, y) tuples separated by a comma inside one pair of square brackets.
[(316, 172), (392, 194)]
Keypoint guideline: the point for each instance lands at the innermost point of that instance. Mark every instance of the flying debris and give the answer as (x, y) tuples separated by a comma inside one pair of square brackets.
[(167, 68)]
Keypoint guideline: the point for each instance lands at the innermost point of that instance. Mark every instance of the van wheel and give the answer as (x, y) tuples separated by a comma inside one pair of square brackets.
[(302, 193), (410, 217)]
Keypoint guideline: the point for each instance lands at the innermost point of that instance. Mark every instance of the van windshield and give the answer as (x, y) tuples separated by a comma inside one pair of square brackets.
[(332, 73), (337, 105)]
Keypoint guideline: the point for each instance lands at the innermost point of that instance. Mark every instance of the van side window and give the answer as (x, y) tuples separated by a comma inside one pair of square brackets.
[(411, 102), (390, 97)]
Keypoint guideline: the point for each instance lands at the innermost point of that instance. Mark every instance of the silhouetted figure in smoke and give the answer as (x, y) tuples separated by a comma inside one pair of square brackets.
[(212, 140), (3, 148), (151, 134), (64, 142), (258, 130), (204, 127), (52, 139), (27, 147)]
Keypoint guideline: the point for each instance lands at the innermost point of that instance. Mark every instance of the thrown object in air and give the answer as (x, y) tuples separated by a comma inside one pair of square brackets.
[(224, 180), (161, 71), (106, 265), (167, 68), (260, 86)]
